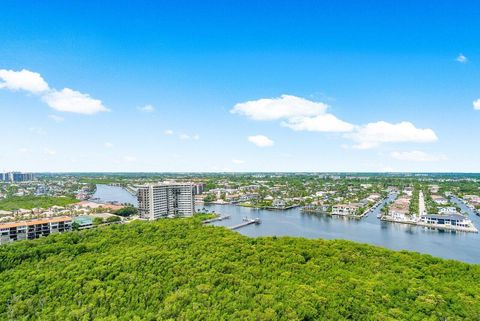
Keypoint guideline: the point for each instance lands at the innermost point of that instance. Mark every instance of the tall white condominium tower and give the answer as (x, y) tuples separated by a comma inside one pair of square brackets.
[(165, 199)]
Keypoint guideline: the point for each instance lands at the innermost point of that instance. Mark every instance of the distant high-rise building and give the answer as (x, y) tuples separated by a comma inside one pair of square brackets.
[(198, 188), (16, 177), (165, 199)]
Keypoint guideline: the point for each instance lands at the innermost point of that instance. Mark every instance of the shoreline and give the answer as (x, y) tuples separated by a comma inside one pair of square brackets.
[(434, 226)]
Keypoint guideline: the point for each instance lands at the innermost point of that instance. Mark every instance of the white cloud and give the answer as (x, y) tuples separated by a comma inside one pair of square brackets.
[(261, 141), (417, 156), (238, 161), (196, 137), (320, 123), (66, 100), (462, 59), (23, 150), (374, 134), (22, 80), (129, 159), (108, 145), (286, 106), (56, 118), (49, 151), (476, 104), (147, 109), (168, 132), (72, 101), (299, 114)]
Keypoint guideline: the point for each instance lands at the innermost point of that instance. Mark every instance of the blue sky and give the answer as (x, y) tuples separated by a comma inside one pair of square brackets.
[(240, 86)]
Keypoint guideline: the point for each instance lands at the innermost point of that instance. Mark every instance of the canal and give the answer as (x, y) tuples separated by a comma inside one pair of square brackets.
[(107, 193), (451, 245)]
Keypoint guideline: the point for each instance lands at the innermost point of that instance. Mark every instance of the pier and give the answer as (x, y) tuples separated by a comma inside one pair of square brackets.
[(216, 219), (246, 222)]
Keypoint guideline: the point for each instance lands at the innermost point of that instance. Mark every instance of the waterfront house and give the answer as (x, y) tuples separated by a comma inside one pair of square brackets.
[(344, 209), (447, 210), (402, 216), (248, 197), (447, 220), (278, 202), (439, 200)]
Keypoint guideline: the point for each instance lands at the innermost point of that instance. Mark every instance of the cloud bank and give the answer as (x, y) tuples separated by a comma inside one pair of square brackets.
[(374, 134), (300, 114)]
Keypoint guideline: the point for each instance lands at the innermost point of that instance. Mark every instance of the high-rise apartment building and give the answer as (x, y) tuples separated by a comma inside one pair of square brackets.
[(198, 188), (165, 199)]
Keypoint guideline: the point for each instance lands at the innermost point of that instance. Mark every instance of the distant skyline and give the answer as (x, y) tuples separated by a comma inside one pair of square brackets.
[(240, 86)]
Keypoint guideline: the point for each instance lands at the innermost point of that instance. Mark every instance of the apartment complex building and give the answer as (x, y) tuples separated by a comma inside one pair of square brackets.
[(165, 199), (33, 229)]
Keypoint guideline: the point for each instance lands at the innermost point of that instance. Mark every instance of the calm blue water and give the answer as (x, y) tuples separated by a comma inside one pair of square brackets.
[(451, 245), (107, 193)]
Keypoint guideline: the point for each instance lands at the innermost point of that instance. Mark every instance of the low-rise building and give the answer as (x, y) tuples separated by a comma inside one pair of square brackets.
[(29, 230)]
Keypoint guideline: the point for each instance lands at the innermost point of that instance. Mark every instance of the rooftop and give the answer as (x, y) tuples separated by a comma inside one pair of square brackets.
[(36, 222), (457, 217)]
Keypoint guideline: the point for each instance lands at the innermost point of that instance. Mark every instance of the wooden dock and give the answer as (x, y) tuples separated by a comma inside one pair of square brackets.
[(246, 222)]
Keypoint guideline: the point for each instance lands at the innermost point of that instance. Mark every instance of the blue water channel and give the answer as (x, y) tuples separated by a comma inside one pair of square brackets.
[(446, 244), (451, 245)]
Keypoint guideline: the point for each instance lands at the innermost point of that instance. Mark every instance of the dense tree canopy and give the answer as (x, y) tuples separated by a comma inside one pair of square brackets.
[(126, 211), (29, 202), (181, 270)]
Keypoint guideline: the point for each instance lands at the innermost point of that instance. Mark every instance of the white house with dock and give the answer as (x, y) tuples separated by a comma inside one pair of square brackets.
[(450, 221)]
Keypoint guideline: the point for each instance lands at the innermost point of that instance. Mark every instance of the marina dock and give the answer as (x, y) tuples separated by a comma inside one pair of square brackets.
[(246, 222)]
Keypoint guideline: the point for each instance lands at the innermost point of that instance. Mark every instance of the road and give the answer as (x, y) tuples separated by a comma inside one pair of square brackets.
[(421, 204)]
